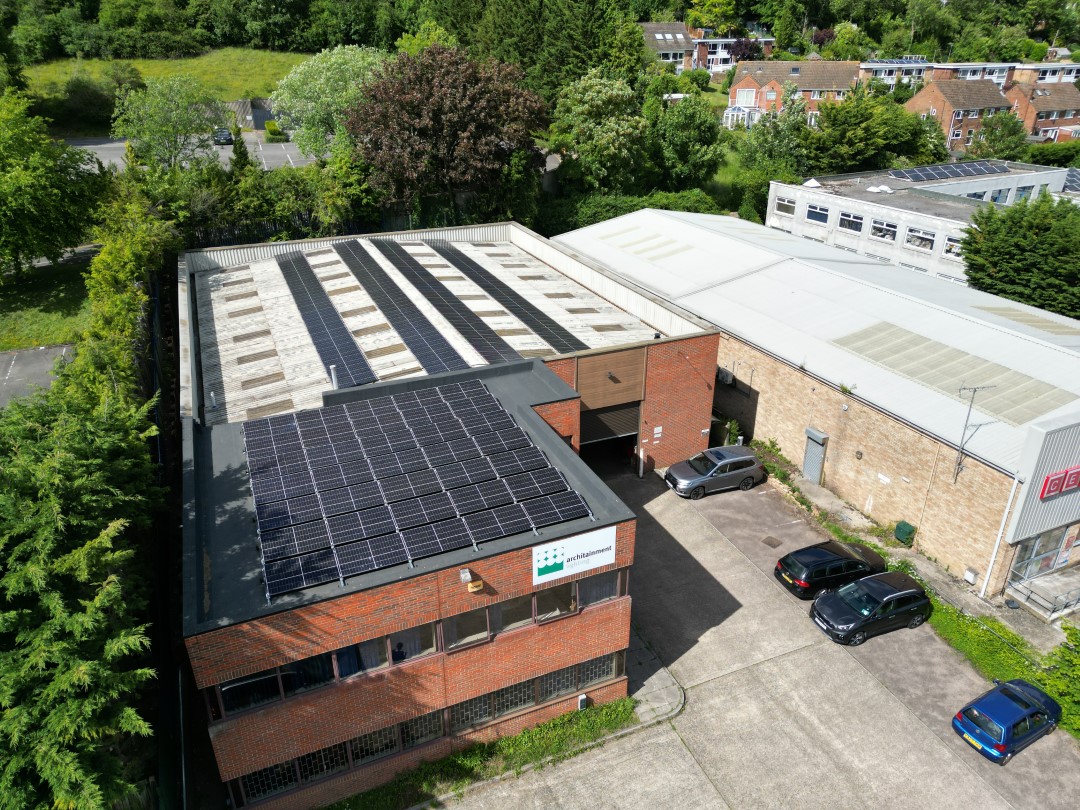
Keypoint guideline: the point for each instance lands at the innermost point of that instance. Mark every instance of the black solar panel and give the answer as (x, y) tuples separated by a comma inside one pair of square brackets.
[(944, 171), (428, 346), (546, 327), (353, 488), (1072, 180), (456, 312), (332, 339)]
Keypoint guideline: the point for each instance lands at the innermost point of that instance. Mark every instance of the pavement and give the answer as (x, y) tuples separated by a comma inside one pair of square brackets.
[(776, 714), (110, 151), (24, 370)]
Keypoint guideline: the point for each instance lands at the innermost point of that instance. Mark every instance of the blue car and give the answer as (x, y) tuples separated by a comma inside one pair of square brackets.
[(1007, 719)]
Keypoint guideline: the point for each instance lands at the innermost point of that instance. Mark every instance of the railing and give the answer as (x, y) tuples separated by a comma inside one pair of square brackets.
[(1058, 604)]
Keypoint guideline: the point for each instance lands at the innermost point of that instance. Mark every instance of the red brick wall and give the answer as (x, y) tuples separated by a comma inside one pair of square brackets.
[(565, 419), (930, 98), (565, 370), (257, 645), (365, 703), (377, 773), (679, 380)]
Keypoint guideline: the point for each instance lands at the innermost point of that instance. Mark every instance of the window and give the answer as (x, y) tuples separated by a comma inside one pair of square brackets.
[(470, 713), (599, 588), (795, 71), (1023, 192), (840, 94), (371, 746), (970, 133), (412, 643), (560, 682), (977, 195), (512, 698), (599, 669), (465, 628), (511, 613), (554, 602), (973, 113), (745, 98), (421, 729), (362, 657), (851, 222), (880, 229), (953, 247), (920, 239), (817, 95), (770, 95), (956, 133), (323, 762), (1054, 115), (300, 676), (246, 693), (817, 213), (999, 195), (784, 205), (957, 115), (269, 781), (1069, 114), (1041, 116)]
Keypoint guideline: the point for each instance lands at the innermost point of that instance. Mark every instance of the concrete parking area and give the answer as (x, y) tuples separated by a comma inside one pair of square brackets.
[(777, 715), (110, 151), (23, 371)]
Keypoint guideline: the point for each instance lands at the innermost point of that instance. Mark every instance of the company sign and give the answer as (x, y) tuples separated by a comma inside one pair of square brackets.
[(573, 555), (1059, 482)]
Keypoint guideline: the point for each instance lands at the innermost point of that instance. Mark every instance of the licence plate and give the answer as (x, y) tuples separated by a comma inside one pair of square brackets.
[(970, 739), (820, 623), (785, 576)]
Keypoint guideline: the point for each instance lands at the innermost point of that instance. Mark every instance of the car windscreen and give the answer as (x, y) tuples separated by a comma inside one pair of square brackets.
[(701, 464), (858, 599), (983, 723)]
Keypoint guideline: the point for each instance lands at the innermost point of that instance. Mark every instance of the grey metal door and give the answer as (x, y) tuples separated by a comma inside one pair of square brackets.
[(814, 455)]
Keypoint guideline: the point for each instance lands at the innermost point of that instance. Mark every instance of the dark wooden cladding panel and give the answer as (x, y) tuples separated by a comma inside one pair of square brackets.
[(612, 378)]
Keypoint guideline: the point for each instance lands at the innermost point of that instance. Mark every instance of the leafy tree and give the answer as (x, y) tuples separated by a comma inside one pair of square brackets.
[(1002, 136), (315, 96), (1028, 252), (745, 50), (171, 122), (774, 149), (686, 143), (429, 33), (849, 42), (601, 134), (48, 190), (10, 70), (438, 123), (719, 15)]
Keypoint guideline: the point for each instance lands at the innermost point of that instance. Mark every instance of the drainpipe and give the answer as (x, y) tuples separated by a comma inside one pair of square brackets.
[(1001, 533)]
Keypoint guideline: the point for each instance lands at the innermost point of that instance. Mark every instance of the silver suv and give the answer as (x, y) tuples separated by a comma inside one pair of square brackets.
[(715, 469)]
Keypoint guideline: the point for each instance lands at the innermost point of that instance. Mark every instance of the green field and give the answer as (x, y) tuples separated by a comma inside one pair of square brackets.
[(47, 307), (229, 73)]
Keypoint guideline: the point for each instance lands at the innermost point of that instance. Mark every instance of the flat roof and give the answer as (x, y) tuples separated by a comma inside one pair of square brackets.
[(224, 574), (902, 342), (405, 300)]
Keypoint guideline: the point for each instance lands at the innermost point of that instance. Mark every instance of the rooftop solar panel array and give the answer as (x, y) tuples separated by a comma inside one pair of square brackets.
[(945, 171), (332, 339), (358, 487), (1072, 180)]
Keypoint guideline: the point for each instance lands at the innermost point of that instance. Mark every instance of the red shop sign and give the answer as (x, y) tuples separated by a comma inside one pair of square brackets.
[(1059, 482)]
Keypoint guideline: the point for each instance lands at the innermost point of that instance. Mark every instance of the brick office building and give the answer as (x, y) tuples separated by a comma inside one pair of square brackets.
[(865, 376), (391, 547)]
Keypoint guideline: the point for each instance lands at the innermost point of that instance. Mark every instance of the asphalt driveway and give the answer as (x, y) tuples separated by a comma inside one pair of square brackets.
[(23, 371), (777, 715)]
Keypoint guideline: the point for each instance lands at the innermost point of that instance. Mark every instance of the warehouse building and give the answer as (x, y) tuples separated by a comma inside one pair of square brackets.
[(912, 399), (391, 547)]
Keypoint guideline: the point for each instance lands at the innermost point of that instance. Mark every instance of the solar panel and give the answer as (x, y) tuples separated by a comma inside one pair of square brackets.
[(428, 346), (545, 327), (1072, 180), (943, 171), (301, 572), (468, 324), (332, 339)]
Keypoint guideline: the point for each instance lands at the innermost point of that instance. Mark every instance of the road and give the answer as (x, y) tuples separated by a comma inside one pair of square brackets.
[(23, 371), (777, 715), (110, 151)]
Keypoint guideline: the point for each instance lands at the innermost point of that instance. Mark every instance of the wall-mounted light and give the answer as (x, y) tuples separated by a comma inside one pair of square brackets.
[(470, 580)]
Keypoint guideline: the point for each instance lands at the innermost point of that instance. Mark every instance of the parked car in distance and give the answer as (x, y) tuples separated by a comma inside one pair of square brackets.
[(1007, 719), (222, 136), (715, 469), (870, 606), (825, 567)]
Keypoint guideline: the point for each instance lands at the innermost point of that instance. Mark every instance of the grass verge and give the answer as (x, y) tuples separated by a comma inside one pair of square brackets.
[(991, 647), (47, 307), (229, 73), (554, 740)]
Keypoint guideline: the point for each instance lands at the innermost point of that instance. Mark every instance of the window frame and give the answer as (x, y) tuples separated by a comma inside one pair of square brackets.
[(887, 227), (920, 233), (856, 219), (785, 201), (820, 210), (953, 248)]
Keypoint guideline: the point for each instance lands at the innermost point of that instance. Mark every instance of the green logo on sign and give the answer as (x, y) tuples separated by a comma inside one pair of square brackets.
[(550, 562)]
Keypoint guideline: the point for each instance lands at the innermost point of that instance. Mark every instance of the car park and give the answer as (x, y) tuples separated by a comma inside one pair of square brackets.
[(715, 469), (1007, 719), (871, 606), (223, 136), (814, 570)]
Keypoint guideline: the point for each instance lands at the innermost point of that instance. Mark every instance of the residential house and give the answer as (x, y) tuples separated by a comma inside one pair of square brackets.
[(758, 87), (672, 44), (1050, 112), (959, 106), (693, 48), (714, 53)]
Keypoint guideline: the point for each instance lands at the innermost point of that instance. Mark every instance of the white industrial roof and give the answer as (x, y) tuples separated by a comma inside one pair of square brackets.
[(800, 300)]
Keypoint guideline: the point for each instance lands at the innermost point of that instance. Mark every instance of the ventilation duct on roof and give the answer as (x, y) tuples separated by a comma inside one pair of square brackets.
[(812, 183)]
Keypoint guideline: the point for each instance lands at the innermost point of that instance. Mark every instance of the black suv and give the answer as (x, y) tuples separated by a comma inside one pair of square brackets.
[(825, 567), (871, 606)]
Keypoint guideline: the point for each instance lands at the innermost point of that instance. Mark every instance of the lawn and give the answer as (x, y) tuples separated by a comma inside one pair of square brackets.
[(717, 100), (229, 73), (47, 307)]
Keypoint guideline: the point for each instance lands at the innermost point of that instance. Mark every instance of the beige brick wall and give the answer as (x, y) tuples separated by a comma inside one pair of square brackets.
[(902, 474)]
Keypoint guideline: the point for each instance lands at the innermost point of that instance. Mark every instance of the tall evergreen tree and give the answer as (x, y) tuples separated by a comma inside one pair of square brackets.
[(578, 36)]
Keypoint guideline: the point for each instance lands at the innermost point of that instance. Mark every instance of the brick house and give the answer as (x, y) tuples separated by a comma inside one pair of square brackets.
[(693, 48), (361, 539), (959, 106), (758, 87), (1049, 111)]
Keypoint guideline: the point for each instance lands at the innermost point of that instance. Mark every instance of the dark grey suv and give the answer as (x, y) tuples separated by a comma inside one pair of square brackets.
[(715, 469)]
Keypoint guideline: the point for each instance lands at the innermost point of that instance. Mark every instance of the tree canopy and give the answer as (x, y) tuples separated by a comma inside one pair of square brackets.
[(315, 96), (1029, 252), (48, 190), (1002, 136)]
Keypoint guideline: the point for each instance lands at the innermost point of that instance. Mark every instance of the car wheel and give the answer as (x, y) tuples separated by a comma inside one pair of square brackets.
[(746, 483), (696, 493), (916, 621), (856, 639), (1005, 759)]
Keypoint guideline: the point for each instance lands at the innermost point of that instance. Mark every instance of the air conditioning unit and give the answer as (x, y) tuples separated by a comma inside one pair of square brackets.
[(725, 376)]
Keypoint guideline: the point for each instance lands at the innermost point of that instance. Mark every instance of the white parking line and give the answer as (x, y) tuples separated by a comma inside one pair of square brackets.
[(11, 368)]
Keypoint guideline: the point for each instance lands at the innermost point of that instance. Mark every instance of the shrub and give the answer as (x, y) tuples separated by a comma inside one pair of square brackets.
[(699, 77), (274, 133)]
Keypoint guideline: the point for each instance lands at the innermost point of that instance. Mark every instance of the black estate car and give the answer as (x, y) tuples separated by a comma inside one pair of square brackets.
[(223, 136), (871, 606), (825, 567)]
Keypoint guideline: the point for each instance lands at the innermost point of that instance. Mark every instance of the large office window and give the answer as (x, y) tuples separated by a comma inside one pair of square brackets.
[(851, 222), (880, 229), (817, 213), (920, 239)]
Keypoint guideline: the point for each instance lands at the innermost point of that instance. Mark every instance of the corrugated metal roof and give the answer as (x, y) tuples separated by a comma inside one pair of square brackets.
[(795, 298)]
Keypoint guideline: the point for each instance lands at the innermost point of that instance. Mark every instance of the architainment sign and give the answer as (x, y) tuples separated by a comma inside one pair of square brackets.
[(573, 555)]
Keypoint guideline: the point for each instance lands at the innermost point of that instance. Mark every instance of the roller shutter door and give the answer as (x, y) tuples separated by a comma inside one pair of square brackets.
[(609, 423)]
